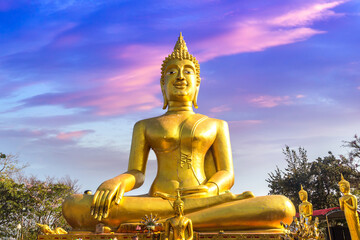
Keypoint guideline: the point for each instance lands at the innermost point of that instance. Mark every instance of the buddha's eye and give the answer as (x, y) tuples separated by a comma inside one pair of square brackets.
[(171, 72), (189, 72)]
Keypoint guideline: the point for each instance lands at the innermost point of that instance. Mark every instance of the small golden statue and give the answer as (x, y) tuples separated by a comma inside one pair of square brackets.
[(305, 208), (180, 225), (193, 153), (45, 229), (348, 203)]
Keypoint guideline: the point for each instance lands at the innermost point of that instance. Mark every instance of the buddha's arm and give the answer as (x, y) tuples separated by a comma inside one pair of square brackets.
[(341, 202), (190, 230), (223, 179), (139, 154), (310, 210), (167, 230), (351, 203), (114, 189)]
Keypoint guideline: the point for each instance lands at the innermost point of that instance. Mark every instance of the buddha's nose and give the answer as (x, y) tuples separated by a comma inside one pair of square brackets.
[(180, 76)]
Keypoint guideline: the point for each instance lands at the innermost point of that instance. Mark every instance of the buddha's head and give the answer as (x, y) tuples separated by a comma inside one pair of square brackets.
[(180, 75), (344, 185), (178, 205), (303, 194)]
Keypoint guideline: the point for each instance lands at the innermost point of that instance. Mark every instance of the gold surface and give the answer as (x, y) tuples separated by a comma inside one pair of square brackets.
[(45, 229), (193, 154), (197, 236), (305, 208), (348, 203)]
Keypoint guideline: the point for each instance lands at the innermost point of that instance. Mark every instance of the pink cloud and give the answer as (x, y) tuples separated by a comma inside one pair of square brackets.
[(248, 38), (131, 88), (300, 96), (135, 88), (257, 34), (307, 14), (270, 101), (72, 135), (219, 109)]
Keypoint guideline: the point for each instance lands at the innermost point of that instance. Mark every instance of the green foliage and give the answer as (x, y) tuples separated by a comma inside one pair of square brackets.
[(319, 178), (12, 201), (28, 200)]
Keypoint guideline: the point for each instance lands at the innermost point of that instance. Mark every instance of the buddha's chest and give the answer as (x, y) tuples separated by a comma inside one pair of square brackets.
[(168, 133), (304, 207), (179, 225)]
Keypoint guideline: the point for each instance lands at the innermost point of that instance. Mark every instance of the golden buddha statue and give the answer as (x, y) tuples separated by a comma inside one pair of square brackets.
[(305, 208), (193, 154), (179, 225), (348, 203)]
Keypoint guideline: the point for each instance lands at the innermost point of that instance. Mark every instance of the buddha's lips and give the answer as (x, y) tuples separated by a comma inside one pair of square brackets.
[(180, 86)]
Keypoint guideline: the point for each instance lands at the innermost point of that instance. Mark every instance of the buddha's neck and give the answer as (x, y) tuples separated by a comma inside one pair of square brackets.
[(179, 215), (175, 106)]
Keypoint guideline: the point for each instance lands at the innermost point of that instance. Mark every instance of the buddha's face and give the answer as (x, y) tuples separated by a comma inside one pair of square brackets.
[(179, 208), (302, 196), (344, 188), (180, 80)]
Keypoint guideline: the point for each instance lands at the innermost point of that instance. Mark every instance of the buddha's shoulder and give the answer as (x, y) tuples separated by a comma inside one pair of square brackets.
[(146, 122), (217, 121), (165, 118)]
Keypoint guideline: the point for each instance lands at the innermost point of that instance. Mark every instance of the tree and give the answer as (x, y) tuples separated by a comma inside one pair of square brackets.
[(319, 178), (9, 165), (296, 173), (44, 203), (355, 148), (12, 202), (326, 173), (28, 200)]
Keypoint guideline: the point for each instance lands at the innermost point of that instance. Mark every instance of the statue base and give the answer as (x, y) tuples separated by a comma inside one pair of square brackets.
[(250, 235)]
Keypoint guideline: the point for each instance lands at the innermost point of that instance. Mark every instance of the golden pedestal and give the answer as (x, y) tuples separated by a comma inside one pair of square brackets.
[(144, 236)]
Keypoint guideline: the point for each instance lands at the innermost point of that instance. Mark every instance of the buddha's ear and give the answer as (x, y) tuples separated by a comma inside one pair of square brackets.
[(164, 95), (195, 96)]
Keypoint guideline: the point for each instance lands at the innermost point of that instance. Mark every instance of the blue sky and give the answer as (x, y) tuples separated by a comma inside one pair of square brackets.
[(76, 75)]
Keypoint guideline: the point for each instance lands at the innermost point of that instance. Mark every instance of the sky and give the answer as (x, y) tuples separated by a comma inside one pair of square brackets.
[(75, 76)]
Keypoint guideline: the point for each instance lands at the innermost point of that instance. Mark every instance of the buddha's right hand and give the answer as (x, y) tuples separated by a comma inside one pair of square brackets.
[(107, 192)]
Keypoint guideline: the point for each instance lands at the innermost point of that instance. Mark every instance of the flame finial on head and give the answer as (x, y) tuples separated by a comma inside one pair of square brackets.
[(302, 190), (178, 200), (180, 44), (343, 181)]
